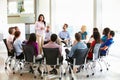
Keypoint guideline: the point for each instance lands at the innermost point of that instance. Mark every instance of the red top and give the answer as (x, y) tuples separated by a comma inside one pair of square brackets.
[(90, 54)]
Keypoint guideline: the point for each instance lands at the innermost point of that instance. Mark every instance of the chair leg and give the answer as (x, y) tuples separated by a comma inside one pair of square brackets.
[(66, 69), (8, 61), (87, 68), (106, 64), (100, 66), (71, 69), (60, 70)]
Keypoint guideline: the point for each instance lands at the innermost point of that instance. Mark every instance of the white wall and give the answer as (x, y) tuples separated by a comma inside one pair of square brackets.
[(73, 12), (111, 14), (44, 8), (3, 18)]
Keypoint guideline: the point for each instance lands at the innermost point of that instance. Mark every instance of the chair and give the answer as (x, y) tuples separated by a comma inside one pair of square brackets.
[(51, 57), (79, 58), (95, 57), (29, 53), (102, 57), (19, 60), (10, 55)]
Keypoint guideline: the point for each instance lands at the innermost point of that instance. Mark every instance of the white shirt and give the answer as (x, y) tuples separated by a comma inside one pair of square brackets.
[(47, 35), (39, 28)]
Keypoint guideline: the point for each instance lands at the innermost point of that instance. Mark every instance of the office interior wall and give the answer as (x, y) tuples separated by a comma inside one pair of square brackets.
[(3, 19), (43, 8), (73, 12), (111, 14)]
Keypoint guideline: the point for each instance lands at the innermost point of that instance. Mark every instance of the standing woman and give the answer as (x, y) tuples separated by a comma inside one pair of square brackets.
[(40, 31)]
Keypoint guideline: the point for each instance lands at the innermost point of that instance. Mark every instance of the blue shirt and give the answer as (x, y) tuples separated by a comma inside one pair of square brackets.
[(83, 35), (79, 45), (108, 42), (64, 34), (18, 46), (104, 38), (47, 36)]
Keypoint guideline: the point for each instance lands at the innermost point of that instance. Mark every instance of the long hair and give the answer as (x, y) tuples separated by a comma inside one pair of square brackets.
[(43, 19), (32, 38), (96, 36)]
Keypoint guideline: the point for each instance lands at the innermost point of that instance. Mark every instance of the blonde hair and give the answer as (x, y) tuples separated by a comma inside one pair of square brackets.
[(83, 28)]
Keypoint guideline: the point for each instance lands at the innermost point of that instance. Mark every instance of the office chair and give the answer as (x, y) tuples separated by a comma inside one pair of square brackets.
[(18, 61), (29, 53), (92, 62), (79, 58), (9, 54), (51, 58), (102, 58)]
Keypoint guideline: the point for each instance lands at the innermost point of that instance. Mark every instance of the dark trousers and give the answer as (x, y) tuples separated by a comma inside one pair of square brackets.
[(21, 56)]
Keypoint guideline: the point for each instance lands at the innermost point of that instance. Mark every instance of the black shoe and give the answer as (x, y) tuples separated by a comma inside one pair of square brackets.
[(69, 60), (54, 71)]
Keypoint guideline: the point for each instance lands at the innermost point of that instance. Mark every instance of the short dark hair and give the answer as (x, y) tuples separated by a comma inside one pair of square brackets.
[(77, 36), (66, 25), (17, 34), (53, 37), (112, 33), (10, 30)]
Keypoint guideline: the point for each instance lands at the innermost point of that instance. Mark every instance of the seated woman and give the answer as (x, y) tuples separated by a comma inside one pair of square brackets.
[(105, 34), (96, 39), (91, 37), (32, 41)]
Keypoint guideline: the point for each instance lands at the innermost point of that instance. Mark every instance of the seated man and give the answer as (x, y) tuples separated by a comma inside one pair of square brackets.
[(47, 35), (53, 44), (64, 35), (104, 46), (78, 45)]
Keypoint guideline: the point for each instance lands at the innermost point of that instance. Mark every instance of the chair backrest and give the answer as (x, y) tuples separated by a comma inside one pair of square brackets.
[(29, 52), (8, 52), (96, 51), (51, 55), (5, 42), (80, 55)]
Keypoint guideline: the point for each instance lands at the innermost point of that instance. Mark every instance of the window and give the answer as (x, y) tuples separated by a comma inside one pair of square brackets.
[(73, 12), (18, 6), (12, 7)]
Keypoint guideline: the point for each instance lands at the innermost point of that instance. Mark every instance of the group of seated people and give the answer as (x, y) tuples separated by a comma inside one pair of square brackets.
[(14, 42)]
